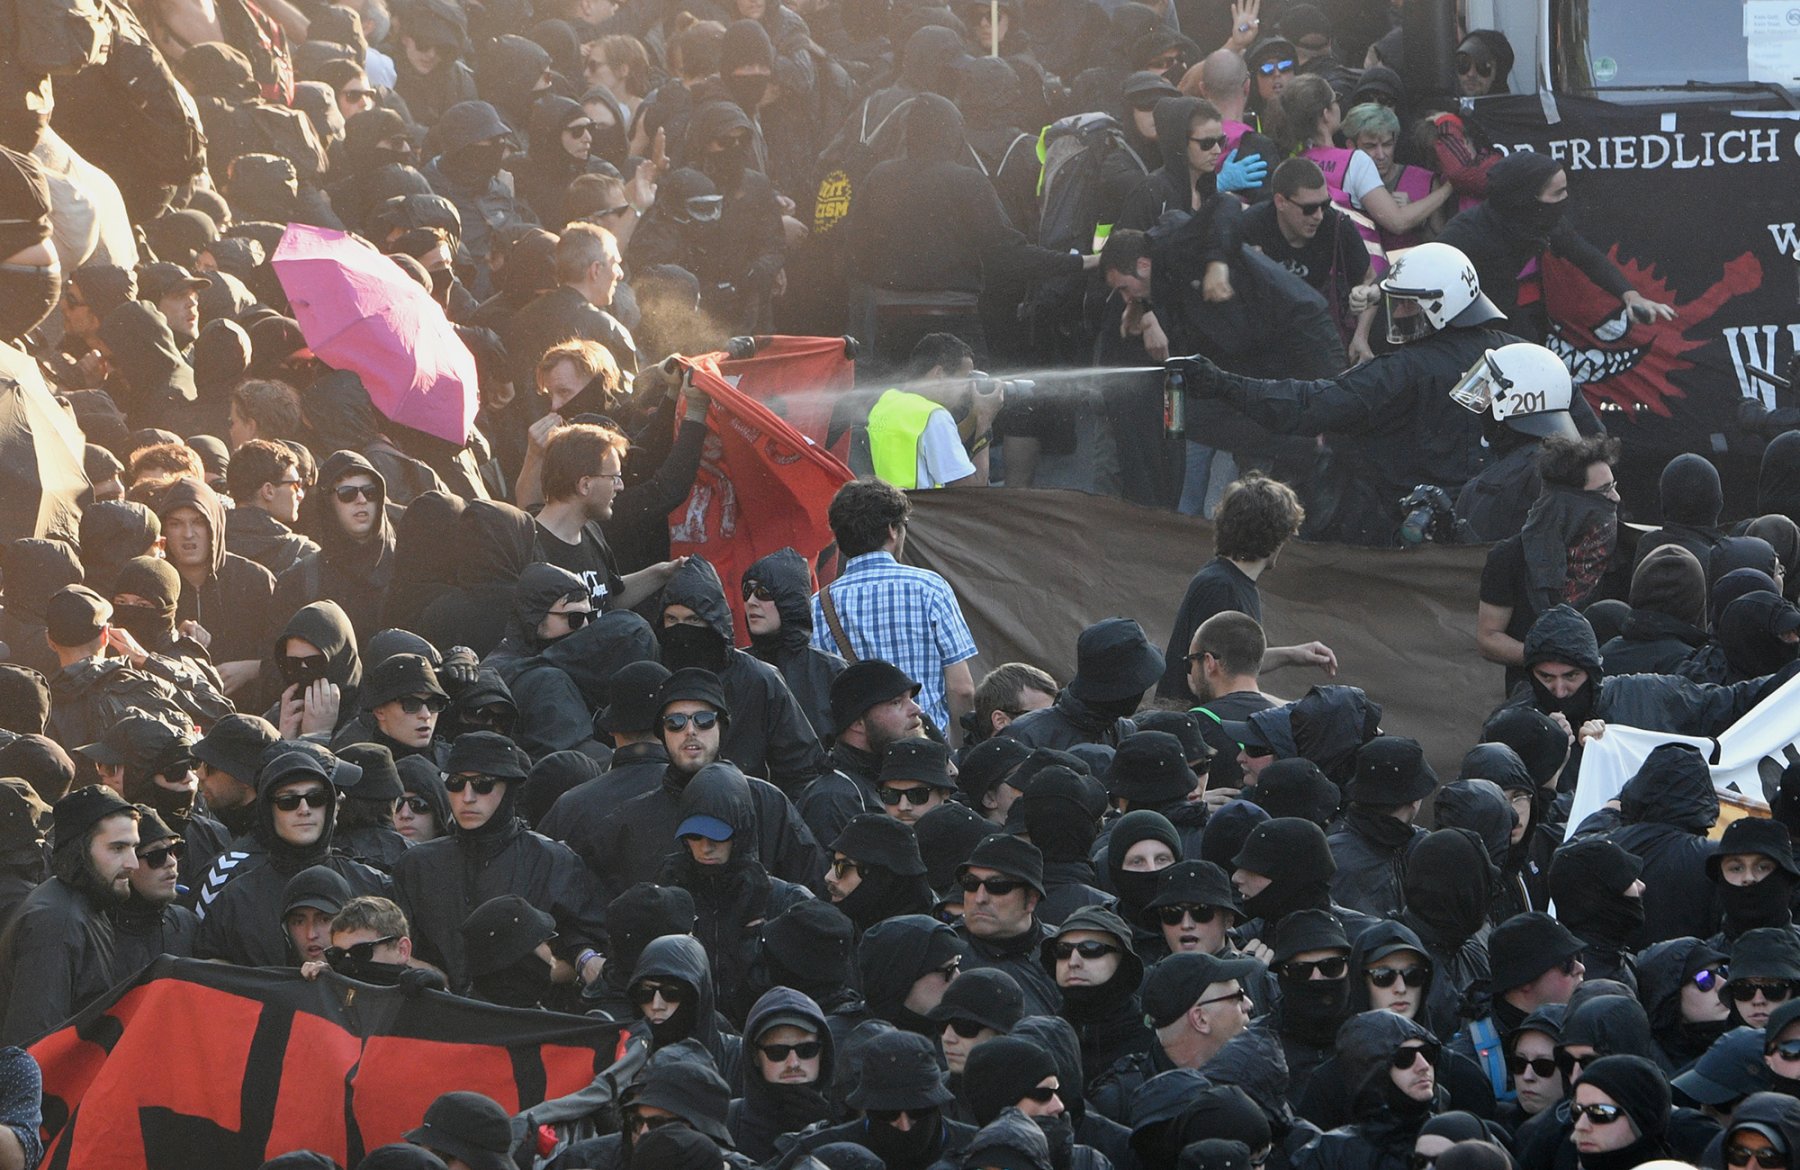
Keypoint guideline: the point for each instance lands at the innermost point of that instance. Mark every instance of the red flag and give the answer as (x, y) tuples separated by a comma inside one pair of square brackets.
[(762, 486), (800, 379)]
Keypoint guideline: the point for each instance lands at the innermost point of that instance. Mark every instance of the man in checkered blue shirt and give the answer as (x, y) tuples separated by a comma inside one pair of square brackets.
[(894, 612)]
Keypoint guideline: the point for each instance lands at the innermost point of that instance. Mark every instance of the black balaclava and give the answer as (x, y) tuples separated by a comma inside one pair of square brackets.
[(1449, 882), (1690, 492), (1312, 1009), (1748, 634), (1136, 887), (1588, 879), (1765, 903), (1513, 187), (157, 582), (1642, 1090), (680, 1025), (911, 1150)]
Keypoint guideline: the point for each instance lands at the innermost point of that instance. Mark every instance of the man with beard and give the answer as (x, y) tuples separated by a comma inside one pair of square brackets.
[(873, 705), (630, 844), (588, 272), (901, 1097), (228, 595), (149, 923), (491, 852), (58, 954), (148, 762), (1561, 555), (1114, 665), (1196, 1003), (581, 481), (355, 561), (790, 1068), (1311, 961), (778, 611), (768, 734), (506, 947), (1017, 1073)]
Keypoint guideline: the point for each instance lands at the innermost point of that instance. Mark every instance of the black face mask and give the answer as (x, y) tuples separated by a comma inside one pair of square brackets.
[(1763, 903), (1135, 887), (524, 984), (726, 167), (684, 646), (1059, 1131), (301, 672), (476, 164), (1542, 218), (1312, 1009), (369, 971), (27, 294), (747, 90), (402, 156), (677, 1027), (148, 625), (169, 803), (912, 1149)]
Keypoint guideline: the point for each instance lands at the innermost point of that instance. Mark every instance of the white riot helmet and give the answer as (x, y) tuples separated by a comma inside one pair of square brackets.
[(1525, 386), (1432, 287)]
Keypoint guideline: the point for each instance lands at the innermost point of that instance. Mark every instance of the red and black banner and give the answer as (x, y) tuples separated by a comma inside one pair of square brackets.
[(1693, 200), (204, 1064)]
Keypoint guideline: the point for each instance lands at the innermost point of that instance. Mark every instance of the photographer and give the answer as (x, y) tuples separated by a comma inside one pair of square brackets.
[(938, 433)]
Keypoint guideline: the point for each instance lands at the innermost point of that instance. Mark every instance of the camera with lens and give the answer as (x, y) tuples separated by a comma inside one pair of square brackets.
[(1017, 390), (1429, 516)]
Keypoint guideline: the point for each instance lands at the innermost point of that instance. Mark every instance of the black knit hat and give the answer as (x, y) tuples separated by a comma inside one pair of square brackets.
[(1150, 768), (1524, 947), (82, 808), (880, 840), (1391, 770), (380, 779), (1637, 1085), (920, 759), (1296, 788), (987, 995), (988, 763), (501, 931), (487, 753), (1013, 857), (398, 676), (1754, 835), (999, 1073), (863, 685), (693, 685)]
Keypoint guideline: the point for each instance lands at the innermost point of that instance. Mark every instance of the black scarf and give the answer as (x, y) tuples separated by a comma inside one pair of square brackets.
[(1378, 828), (1764, 903), (1568, 538), (1313, 1009), (913, 1149)]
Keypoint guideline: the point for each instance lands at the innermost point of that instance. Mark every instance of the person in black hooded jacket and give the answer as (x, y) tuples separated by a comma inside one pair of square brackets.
[(1692, 499), (561, 135), (354, 564), (36, 568), (876, 871), (241, 899), (490, 852), (1449, 882), (1520, 221), (903, 965), (231, 597), (425, 561), (1750, 640), (672, 987), (1500, 817), (112, 532), (365, 828), (148, 378), (1598, 891), (716, 861), (1114, 665), (1005, 1078), (1099, 991), (628, 715), (493, 543), (145, 593), (469, 172), (1668, 614), (149, 923), (317, 644), (683, 1081), (558, 690), (768, 734), (343, 418), (778, 610), (784, 1078), (1286, 866), (749, 244), (1679, 982), (1389, 1101)]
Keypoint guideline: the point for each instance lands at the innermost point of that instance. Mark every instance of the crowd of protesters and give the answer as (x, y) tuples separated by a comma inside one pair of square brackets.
[(311, 689)]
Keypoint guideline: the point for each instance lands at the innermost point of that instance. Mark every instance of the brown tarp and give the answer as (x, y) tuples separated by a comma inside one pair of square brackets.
[(1032, 568)]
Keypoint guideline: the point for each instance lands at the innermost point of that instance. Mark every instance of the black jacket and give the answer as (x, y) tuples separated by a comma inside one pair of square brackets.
[(845, 790), (1667, 809), (563, 314), (1651, 643), (681, 957), (142, 931), (57, 955), (440, 883), (93, 694), (255, 535), (236, 601), (806, 670), (1017, 957), (328, 627), (1371, 861), (356, 576), (1379, 1138), (558, 691), (1447, 892), (768, 734), (492, 543), (1066, 723), (576, 816), (766, 1111)]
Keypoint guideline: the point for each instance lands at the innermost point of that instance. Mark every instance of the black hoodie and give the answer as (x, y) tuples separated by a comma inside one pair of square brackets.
[(1170, 187), (1692, 499), (1449, 882), (1386, 1121), (768, 734), (35, 569), (680, 957), (327, 626), (1662, 971), (1778, 481), (491, 545), (544, 175), (112, 532), (355, 575), (749, 245), (558, 691), (236, 601), (768, 1110), (425, 560), (149, 381), (807, 671)]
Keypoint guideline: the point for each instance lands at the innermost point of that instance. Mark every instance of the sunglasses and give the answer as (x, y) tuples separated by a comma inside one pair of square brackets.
[(1332, 968), (998, 887), (948, 970), (639, 1123), (159, 857), (1597, 1114), (483, 785), (758, 590), (417, 805), (413, 704), (358, 95), (891, 796), (778, 1053), (1711, 978), (1233, 997), (362, 952), (1173, 915), (1310, 209), (702, 721), (1767, 1157), (1786, 1049), (608, 212), (643, 993), (843, 865), (290, 801), (705, 208), (1542, 1067), (1210, 142), (1040, 1093), (1405, 1058), (1774, 990), (1090, 948), (1271, 68), (576, 618), (1467, 63), (349, 493), (890, 1116), (1568, 1062), (1414, 976), (967, 1029), (580, 129)]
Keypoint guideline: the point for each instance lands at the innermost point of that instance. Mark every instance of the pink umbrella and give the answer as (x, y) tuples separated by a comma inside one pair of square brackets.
[(360, 312)]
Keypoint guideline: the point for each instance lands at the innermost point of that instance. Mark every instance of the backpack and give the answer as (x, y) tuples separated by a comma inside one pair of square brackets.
[(1079, 155), (59, 36)]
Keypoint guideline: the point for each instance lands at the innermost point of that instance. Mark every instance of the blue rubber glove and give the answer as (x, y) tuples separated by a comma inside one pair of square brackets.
[(1237, 174)]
